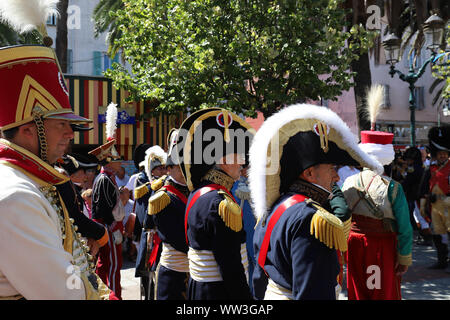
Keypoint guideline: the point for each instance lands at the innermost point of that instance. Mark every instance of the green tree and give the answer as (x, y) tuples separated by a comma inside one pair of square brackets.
[(106, 21), (246, 55), (441, 71)]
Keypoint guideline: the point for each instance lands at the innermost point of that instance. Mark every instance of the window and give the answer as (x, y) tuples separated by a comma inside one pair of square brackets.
[(69, 61), (386, 100), (102, 62), (51, 20)]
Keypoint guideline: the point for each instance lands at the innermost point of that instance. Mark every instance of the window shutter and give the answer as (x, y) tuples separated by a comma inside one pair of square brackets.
[(97, 67), (419, 95), (386, 100), (69, 61)]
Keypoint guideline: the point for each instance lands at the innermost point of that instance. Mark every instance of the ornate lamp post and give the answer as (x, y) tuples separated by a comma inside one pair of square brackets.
[(433, 30)]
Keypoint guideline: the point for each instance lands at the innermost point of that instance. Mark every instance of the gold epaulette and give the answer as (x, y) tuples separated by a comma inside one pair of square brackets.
[(157, 184), (230, 212), (158, 202), (347, 227), (141, 191), (328, 229)]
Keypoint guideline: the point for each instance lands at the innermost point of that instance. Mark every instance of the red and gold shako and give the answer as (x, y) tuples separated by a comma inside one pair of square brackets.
[(31, 81)]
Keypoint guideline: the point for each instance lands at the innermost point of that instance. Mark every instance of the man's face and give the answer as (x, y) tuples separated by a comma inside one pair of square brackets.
[(441, 156), (58, 134), (79, 177), (114, 166), (324, 175), (232, 165), (176, 173), (159, 171)]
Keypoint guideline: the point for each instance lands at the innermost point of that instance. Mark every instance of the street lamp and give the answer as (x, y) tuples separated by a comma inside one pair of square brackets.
[(433, 30)]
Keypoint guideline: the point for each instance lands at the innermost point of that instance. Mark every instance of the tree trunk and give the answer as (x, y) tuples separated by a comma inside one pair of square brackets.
[(363, 81), (61, 34)]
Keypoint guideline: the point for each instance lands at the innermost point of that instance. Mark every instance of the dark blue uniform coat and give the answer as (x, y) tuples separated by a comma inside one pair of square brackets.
[(207, 231), (296, 260)]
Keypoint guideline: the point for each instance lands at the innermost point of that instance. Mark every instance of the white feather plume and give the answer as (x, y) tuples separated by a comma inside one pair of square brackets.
[(152, 153), (111, 120), (374, 101), (26, 15)]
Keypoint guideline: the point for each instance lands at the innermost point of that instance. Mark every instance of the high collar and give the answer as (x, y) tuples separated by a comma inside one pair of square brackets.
[(219, 177), (29, 163), (310, 190), (183, 189)]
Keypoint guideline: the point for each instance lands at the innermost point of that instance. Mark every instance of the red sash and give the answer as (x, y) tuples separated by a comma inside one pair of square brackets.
[(198, 194), (156, 240), (176, 192), (273, 220)]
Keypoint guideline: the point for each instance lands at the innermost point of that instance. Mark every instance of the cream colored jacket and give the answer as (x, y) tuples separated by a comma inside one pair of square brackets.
[(33, 262)]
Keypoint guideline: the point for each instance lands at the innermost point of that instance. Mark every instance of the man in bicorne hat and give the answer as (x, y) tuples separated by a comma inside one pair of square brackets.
[(303, 220), (380, 242), (212, 147), (43, 255), (437, 185), (167, 207), (107, 208), (75, 165)]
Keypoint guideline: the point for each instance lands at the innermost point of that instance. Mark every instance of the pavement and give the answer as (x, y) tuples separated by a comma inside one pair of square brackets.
[(419, 283)]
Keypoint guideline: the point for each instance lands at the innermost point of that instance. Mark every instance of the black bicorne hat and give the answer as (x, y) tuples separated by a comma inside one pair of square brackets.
[(294, 139), (439, 139), (74, 162), (208, 135), (139, 154)]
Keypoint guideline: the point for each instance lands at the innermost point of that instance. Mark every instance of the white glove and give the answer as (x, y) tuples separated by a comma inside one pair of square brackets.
[(117, 237)]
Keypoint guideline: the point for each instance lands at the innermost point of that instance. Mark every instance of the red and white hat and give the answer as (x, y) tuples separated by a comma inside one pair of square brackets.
[(377, 144), (31, 81)]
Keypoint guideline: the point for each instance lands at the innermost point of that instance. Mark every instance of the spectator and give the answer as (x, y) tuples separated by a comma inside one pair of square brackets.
[(87, 197), (121, 177)]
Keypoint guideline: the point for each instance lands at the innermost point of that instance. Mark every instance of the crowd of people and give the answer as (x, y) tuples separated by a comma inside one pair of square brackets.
[(222, 212)]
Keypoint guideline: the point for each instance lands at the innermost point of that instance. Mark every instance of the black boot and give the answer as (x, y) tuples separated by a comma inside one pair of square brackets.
[(442, 253)]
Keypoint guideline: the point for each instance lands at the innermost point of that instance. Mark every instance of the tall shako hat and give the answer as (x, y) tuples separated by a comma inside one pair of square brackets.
[(32, 85), (208, 135), (107, 152), (378, 144), (154, 157), (172, 140), (294, 139), (439, 139)]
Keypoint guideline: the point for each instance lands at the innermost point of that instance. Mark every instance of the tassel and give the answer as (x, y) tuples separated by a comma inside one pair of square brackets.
[(140, 191), (231, 214), (158, 202), (328, 229)]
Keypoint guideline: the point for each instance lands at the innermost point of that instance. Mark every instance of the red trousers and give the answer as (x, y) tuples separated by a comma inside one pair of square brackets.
[(109, 264), (371, 262)]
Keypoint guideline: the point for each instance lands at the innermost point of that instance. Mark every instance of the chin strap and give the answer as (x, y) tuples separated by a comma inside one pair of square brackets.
[(38, 120)]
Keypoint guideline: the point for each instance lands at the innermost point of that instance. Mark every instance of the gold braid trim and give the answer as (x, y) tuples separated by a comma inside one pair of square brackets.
[(328, 229), (230, 212), (218, 177), (158, 202), (141, 191)]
